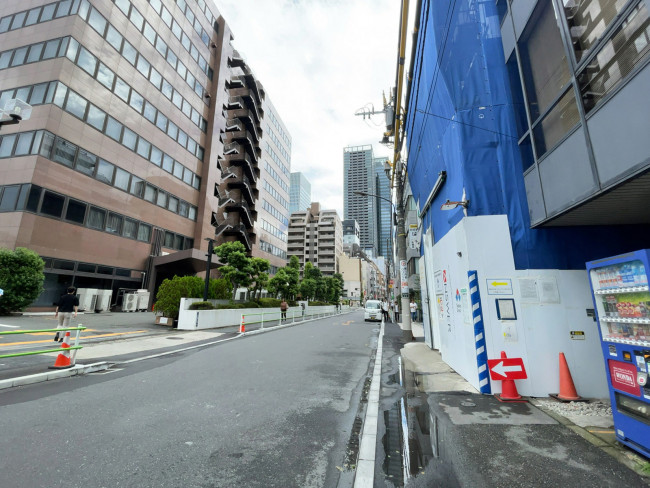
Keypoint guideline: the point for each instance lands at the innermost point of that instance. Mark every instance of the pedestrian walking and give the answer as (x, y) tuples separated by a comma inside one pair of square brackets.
[(396, 311), (68, 303), (414, 310), (384, 310), (284, 306)]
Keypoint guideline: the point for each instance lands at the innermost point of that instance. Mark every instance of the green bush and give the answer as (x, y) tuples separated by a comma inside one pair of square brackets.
[(168, 298), (269, 302), (201, 306), (318, 304), (21, 278)]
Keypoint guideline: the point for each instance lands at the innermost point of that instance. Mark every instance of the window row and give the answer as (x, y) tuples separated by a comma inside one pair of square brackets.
[(105, 29), (75, 104), (275, 212), (176, 29), (64, 152), (273, 230), (68, 46), (278, 143), (276, 176), (194, 20), (33, 53), (275, 194), (38, 15), (54, 263), (278, 126), (277, 159), (271, 249), (91, 65)]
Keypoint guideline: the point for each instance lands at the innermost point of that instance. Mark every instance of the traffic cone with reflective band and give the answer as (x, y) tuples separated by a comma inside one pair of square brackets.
[(509, 391), (568, 391), (63, 359), (242, 326)]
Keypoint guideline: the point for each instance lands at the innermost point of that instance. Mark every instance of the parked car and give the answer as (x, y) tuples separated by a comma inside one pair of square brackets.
[(372, 310)]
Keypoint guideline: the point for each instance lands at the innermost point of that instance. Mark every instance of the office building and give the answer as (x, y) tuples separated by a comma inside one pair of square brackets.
[(273, 206), (316, 236), (299, 193), (383, 207), (144, 139), (359, 176)]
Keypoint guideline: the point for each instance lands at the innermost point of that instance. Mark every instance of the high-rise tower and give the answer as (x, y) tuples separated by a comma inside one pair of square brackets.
[(358, 176)]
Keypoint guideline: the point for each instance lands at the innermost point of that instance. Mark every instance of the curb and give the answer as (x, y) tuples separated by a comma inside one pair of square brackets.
[(632, 460), (53, 375)]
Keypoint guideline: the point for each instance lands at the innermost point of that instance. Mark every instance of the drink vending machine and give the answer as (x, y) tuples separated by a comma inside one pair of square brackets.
[(622, 298)]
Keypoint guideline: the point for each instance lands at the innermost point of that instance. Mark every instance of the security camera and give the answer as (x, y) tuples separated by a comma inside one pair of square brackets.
[(17, 109)]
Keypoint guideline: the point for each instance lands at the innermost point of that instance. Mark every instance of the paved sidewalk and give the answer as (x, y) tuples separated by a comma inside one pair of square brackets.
[(489, 443)]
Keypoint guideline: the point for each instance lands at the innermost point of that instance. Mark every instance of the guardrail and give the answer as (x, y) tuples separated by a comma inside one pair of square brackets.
[(73, 348), (277, 318)]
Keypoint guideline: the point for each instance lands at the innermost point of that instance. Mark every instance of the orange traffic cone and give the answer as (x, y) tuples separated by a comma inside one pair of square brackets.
[(568, 391), (242, 326), (509, 391), (63, 359)]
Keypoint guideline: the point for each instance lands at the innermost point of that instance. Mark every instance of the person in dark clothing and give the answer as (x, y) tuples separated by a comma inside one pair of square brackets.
[(284, 306), (68, 304)]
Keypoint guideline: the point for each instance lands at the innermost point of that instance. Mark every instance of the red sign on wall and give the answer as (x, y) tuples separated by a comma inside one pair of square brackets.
[(624, 377)]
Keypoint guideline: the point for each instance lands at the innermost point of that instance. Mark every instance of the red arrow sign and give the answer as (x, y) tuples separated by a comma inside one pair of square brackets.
[(507, 369)]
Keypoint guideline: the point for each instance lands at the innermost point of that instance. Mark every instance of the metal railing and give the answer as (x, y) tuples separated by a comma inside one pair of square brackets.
[(277, 319), (73, 348)]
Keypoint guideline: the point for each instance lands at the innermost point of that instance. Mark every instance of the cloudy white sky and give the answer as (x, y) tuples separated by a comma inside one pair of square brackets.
[(320, 61)]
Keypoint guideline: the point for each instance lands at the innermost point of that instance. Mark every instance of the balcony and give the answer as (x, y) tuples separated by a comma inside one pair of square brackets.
[(244, 210), (244, 139), (242, 116), (242, 98), (243, 184), (236, 156), (241, 233)]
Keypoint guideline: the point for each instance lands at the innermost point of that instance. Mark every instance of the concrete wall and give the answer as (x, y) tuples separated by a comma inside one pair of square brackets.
[(549, 305)]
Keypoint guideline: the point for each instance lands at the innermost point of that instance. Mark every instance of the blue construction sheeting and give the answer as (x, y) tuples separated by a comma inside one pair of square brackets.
[(460, 119)]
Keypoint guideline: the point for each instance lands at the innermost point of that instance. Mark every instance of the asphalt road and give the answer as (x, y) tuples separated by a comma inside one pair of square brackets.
[(269, 410)]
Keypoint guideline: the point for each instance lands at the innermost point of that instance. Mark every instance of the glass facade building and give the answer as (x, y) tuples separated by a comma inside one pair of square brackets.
[(299, 193)]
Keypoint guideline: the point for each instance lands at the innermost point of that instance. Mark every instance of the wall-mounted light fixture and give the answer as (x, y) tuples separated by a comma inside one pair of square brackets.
[(452, 205)]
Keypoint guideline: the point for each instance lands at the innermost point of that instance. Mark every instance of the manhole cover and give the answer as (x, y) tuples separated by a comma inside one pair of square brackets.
[(467, 403)]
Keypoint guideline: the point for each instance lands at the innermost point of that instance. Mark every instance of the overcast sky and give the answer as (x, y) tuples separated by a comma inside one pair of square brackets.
[(320, 61)]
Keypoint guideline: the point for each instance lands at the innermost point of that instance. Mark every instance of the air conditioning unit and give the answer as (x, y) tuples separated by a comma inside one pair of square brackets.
[(143, 300), (130, 303), (87, 298), (103, 300)]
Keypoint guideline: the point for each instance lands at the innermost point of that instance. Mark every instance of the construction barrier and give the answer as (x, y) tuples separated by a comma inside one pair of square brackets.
[(70, 349)]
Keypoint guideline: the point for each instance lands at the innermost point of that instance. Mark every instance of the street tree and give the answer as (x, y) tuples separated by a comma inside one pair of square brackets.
[(21, 278), (279, 284), (237, 266), (259, 275)]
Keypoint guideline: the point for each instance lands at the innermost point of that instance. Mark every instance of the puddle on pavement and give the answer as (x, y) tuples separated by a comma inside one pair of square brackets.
[(407, 441)]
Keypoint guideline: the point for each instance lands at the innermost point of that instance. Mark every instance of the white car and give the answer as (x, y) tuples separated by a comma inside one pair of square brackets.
[(372, 310)]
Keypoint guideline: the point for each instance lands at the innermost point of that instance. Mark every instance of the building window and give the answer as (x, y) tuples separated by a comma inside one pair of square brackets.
[(628, 47), (96, 218), (76, 211), (52, 204), (544, 64)]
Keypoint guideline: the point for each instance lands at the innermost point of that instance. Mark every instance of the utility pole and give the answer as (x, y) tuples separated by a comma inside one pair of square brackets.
[(207, 270), (407, 332)]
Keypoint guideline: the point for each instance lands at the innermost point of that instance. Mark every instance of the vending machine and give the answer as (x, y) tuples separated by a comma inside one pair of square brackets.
[(622, 299)]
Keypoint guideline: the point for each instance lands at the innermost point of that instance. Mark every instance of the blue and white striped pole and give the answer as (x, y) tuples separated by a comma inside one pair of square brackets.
[(479, 334)]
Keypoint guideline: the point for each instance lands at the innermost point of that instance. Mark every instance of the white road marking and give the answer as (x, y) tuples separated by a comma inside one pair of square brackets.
[(10, 326)]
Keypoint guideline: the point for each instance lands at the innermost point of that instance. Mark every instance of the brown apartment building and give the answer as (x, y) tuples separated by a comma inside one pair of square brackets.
[(145, 139)]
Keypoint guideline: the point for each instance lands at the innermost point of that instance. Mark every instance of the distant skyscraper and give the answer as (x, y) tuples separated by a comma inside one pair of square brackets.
[(358, 176), (383, 208), (299, 193)]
